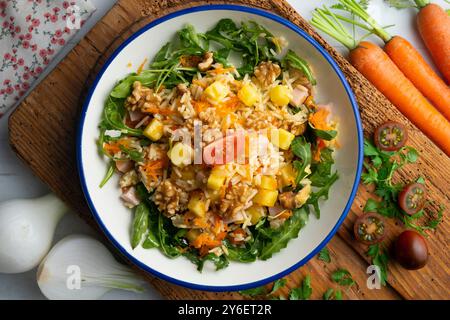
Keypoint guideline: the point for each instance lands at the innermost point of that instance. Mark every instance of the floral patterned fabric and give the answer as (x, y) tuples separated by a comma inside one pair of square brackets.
[(31, 33)]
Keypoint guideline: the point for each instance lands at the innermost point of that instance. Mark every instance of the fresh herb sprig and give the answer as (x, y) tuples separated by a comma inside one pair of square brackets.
[(343, 277), (380, 258), (324, 255), (380, 169)]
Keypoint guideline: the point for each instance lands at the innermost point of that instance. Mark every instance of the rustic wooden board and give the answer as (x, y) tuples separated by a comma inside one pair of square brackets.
[(50, 113)]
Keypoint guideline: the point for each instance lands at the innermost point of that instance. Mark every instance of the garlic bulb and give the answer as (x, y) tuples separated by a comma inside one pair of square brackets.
[(26, 231), (80, 267)]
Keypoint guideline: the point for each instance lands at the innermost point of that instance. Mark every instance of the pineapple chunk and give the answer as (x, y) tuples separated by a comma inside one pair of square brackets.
[(181, 154), (269, 183), (287, 175), (192, 234), (154, 130), (266, 197), (197, 206), (217, 178), (256, 213), (302, 196), (281, 138), (217, 91), (214, 195), (248, 94), (280, 95)]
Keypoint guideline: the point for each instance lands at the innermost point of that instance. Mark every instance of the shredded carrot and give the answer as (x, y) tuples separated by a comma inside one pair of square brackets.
[(234, 234), (113, 147), (229, 106), (205, 240), (320, 146), (286, 214), (319, 119), (200, 222), (222, 70), (141, 66), (200, 106), (153, 169)]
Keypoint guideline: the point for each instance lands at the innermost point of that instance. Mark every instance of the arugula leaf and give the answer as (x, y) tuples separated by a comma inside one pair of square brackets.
[(294, 61), (251, 41), (190, 39), (321, 170), (123, 88), (113, 114), (342, 277), (303, 292), (380, 258), (325, 134), (322, 193), (133, 154), (164, 224), (220, 262), (324, 255), (109, 173), (140, 224), (289, 230), (249, 253), (301, 149), (278, 284)]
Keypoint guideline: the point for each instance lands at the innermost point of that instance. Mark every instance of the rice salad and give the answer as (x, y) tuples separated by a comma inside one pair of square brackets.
[(220, 160)]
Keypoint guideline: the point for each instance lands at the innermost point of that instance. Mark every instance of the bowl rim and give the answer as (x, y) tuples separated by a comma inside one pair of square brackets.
[(300, 32)]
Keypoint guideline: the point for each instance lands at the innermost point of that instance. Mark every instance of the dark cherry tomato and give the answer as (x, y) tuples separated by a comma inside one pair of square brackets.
[(412, 198), (390, 136), (369, 228), (411, 250)]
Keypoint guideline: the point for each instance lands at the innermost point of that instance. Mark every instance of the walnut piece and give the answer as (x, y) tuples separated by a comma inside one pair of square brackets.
[(207, 61), (142, 98), (170, 198), (129, 179), (287, 200), (267, 72)]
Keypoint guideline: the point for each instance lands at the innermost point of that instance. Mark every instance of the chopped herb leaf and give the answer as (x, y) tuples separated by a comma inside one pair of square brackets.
[(324, 255)]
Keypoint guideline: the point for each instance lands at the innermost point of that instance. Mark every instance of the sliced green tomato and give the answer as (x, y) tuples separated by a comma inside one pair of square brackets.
[(369, 228), (390, 136), (412, 198)]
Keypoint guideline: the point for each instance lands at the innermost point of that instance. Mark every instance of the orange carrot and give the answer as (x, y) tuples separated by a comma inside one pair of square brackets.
[(434, 27), (416, 69), (407, 59), (379, 69)]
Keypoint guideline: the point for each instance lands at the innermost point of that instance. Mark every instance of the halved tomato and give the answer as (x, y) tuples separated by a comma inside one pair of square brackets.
[(369, 228), (390, 136), (412, 198)]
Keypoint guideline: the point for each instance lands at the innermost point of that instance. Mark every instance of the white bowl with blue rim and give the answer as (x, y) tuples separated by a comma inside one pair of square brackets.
[(115, 220)]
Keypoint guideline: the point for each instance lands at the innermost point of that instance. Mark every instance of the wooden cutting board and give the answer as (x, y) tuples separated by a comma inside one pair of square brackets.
[(42, 132)]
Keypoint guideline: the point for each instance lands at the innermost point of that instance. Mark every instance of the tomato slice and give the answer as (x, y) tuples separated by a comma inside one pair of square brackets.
[(390, 136), (412, 198), (369, 228)]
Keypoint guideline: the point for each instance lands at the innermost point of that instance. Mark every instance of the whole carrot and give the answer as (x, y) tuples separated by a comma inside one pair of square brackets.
[(379, 69), (434, 27), (407, 59)]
